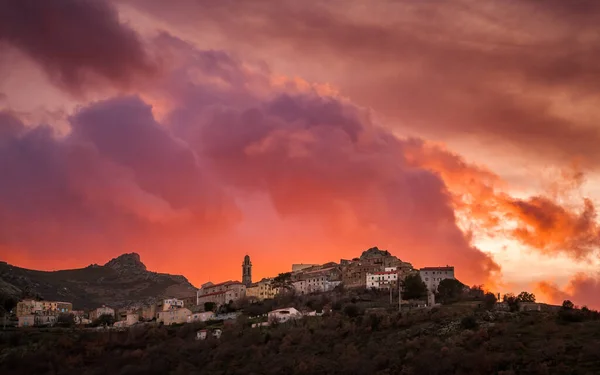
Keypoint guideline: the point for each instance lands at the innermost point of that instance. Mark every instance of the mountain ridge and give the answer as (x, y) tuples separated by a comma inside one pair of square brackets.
[(121, 282)]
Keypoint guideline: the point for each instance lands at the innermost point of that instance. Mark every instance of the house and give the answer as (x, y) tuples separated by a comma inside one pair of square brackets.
[(201, 335), (266, 289), (79, 316), (26, 321), (321, 280), (132, 318), (383, 280), (432, 276), (260, 324), (220, 293), (284, 315), (200, 316), (252, 291), (30, 306), (189, 301), (104, 310), (45, 320), (218, 298), (373, 260), (172, 303), (174, 316), (149, 311)]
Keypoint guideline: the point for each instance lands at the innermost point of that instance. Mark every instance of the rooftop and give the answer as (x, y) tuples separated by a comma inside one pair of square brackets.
[(229, 282), (447, 268)]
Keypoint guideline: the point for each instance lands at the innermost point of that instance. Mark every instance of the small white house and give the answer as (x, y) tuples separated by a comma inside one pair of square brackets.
[(201, 335), (382, 280), (284, 315), (172, 303)]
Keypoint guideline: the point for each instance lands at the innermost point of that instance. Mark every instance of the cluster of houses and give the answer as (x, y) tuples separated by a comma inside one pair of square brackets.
[(375, 268)]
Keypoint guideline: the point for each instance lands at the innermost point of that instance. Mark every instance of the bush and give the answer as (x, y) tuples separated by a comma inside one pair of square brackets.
[(468, 322), (351, 310)]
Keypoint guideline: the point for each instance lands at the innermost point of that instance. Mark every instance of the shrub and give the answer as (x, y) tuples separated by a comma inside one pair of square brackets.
[(351, 310), (468, 322)]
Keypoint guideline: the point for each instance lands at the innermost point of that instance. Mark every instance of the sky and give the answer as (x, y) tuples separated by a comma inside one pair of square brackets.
[(195, 132)]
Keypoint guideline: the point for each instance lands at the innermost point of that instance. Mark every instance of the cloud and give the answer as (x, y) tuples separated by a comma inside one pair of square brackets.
[(118, 180), (231, 132), (582, 289), (517, 73), (549, 223), (320, 158), (76, 42), (551, 228)]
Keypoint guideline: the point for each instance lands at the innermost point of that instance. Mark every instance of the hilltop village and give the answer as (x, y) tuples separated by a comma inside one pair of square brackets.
[(375, 270)]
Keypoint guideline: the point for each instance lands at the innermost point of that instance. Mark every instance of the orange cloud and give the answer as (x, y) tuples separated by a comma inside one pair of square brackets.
[(582, 289), (551, 228)]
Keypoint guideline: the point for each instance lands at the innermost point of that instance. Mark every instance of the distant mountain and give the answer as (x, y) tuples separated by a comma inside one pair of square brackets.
[(122, 282)]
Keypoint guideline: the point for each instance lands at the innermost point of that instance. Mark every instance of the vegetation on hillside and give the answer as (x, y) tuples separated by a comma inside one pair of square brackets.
[(443, 340)]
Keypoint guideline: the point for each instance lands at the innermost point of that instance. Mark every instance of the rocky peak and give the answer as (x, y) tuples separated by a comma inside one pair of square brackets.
[(126, 262), (374, 252)]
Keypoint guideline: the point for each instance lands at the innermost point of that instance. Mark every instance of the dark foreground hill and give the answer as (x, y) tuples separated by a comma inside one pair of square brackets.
[(120, 282), (440, 341)]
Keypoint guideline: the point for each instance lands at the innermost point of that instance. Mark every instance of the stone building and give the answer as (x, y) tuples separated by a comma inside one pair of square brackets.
[(373, 260), (220, 293)]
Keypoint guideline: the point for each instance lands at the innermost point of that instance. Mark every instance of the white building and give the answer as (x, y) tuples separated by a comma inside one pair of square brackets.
[(203, 333), (432, 276), (284, 315), (200, 316), (104, 310), (382, 280), (172, 303)]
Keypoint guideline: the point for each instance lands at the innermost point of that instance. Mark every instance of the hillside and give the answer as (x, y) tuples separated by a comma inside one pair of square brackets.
[(447, 340), (120, 282)]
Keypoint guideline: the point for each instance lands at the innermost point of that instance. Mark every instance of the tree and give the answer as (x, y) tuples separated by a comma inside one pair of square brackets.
[(7, 302), (449, 291), (105, 319), (568, 305), (413, 287), (351, 310), (209, 306), (526, 297), (476, 292), (512, 301), (489, 300)]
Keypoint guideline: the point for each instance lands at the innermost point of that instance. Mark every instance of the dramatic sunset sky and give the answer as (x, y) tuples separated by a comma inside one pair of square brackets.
[(193, 132)]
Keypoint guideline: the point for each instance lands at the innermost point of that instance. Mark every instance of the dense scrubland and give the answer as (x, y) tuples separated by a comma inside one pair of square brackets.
[(351, 339)]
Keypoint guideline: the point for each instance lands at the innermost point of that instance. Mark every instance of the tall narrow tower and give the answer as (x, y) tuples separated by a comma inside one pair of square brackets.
[(247, 271)]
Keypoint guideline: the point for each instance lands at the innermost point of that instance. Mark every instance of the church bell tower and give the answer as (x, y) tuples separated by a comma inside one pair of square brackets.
[(247, 271)]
